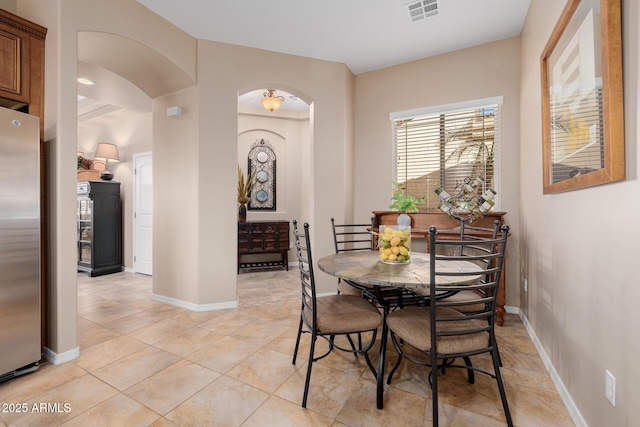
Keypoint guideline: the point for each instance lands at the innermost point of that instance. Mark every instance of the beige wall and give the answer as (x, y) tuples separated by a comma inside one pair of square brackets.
[(576, 248), (480, 72), (8, 5), (133, 134), (176, 220), (64, 19), (580, 248), (224, 71), (194, 163)]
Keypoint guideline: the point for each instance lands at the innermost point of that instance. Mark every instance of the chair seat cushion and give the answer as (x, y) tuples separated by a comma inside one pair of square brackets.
[(459, 297), (346, 314), (413, 325)]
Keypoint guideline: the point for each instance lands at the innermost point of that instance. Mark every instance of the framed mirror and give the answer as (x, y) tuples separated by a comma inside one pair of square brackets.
[(582, 98)]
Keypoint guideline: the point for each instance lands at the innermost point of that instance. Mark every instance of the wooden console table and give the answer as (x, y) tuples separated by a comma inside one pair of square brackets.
[(259, 238), (447, 228)]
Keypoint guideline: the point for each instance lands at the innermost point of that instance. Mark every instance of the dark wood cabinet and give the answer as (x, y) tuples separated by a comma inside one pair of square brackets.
[(99, 227), (263, 245)]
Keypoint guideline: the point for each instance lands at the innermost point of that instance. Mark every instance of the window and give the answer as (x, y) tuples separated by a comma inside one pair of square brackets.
[(441, 146)]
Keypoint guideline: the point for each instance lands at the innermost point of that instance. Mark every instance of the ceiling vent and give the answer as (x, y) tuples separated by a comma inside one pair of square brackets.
[(422, 9)]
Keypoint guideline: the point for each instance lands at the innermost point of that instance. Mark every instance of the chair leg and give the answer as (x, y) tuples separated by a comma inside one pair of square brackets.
[(394, 369), (503, 395), (397, 364), (353, 346), (371, 367), (443, 368), (470, 373), (498, 353), (295, 351), (309, 365), (434, 394)]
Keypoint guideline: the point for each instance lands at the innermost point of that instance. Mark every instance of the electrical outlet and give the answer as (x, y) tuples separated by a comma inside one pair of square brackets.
[(526, 285), (610, 387)]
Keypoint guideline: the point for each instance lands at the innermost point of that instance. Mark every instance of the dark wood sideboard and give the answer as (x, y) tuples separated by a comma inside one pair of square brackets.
[(447, 228), (259, 241)]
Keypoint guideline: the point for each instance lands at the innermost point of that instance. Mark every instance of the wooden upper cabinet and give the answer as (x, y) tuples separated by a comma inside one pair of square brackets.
[(22, 65), (12, 66)]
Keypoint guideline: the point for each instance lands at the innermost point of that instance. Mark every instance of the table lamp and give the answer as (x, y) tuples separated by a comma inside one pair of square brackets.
[(107, 152)]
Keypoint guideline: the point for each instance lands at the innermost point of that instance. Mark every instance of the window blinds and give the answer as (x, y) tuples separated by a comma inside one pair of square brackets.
[(441, 149)]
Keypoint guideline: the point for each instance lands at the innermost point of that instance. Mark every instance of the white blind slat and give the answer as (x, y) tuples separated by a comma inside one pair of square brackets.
[(441, 148)]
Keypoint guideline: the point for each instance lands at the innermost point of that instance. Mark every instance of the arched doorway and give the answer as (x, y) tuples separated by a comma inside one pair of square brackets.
[(287, 133), (117, 108)]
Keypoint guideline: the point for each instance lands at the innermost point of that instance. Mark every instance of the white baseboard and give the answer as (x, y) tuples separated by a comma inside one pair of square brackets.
[(564, 393), (326, 294), (58, 359), (512, 310), (129, 270), (194, 307)]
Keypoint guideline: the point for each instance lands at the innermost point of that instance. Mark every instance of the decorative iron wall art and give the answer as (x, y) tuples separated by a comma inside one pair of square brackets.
[(262, 159)]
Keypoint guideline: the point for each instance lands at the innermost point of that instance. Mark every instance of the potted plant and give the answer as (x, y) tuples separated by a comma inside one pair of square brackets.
[(244, 189), (403, 202)]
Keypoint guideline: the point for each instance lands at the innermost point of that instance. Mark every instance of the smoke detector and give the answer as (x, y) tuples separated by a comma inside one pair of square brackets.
[(422, 9)]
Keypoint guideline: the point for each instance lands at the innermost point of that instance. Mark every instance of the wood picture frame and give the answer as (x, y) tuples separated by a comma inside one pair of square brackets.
[(582, 98)]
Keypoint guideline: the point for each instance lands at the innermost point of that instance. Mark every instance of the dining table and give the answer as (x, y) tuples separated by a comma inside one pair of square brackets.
[(363, 269)]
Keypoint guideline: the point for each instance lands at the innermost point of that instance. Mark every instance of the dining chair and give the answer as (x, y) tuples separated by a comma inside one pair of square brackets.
[(469, 233), (441, 331), (329, 316), (349, 238), (360, 237)]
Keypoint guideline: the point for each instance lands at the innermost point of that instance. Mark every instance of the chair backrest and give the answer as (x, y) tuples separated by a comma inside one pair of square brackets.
[(305, 265), (479, 252), (487, 254), (352, 237)]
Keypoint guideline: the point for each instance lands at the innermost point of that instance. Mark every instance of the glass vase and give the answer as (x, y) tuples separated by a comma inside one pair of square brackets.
[(394, 244)]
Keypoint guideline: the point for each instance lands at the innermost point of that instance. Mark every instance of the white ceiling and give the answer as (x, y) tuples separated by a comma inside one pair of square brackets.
[(363, 34), (366, 35)]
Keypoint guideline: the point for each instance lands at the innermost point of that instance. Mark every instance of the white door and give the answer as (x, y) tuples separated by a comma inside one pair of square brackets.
[(143, 214)]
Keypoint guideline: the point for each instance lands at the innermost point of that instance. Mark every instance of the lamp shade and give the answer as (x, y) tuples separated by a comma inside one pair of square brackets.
[(270, 101), (107, 151), (271, 104)]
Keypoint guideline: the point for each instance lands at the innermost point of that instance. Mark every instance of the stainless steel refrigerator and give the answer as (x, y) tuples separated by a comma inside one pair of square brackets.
[(20, 342)]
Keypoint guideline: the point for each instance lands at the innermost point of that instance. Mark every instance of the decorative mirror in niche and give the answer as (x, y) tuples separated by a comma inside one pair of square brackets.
[(582, 98), (262, 160)]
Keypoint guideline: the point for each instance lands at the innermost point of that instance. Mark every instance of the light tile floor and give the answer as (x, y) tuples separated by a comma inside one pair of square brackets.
[(144, 363)]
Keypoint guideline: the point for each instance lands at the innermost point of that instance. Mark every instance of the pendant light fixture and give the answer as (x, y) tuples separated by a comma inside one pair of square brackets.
[(270, 101)]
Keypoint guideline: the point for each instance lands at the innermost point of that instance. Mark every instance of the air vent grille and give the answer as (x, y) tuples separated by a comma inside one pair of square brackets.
[(422, 9)]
